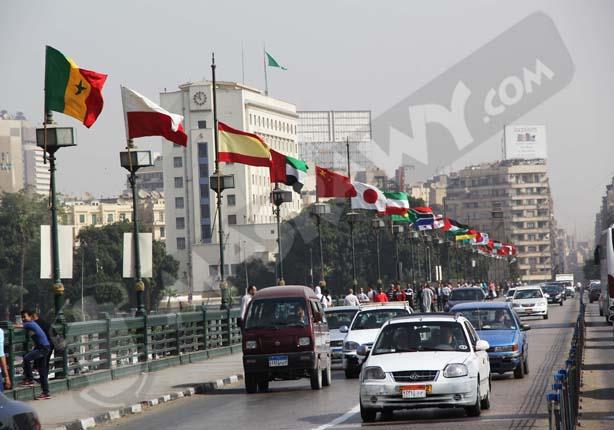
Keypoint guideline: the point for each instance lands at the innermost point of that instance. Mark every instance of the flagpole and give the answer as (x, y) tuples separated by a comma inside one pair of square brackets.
[(218, 184), (266, 79), (351, 216)]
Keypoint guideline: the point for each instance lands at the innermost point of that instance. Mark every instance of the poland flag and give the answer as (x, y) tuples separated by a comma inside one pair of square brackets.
[(368, 197), (145, 118)]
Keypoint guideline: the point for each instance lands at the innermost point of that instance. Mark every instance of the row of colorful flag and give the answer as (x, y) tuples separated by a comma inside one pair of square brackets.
[(78, 92)]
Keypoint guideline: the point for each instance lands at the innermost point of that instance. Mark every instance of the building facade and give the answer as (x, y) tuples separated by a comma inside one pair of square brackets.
[(511, 201), (150, 178), (100, 212), (249, 229)]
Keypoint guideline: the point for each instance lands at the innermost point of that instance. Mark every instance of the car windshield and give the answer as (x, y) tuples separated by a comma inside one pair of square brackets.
[(338, 318), (551, 289), (528, 294), (421, 336), (268, 313), (373, 319), (468, 295), (490, 319)]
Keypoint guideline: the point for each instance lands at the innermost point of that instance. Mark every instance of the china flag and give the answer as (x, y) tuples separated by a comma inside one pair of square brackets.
[(331, 184)]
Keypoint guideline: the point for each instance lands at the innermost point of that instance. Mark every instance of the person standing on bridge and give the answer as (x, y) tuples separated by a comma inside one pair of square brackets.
[(39, 355), (4, 370), (246, 299)]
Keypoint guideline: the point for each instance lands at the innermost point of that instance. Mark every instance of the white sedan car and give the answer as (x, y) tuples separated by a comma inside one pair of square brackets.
[(530, 301), (425, 361)]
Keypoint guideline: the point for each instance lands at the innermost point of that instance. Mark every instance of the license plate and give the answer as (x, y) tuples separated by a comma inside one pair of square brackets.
[(528, 310), (415, 391), (278, 361)]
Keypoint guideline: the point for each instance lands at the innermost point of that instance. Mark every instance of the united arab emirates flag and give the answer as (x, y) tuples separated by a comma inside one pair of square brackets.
[(287, 170), (71, 90)]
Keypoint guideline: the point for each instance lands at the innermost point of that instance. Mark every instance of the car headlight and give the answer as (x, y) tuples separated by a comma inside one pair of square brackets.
[(455, 370), (350, 346), (506, 348), (304, 341), (373, 372), (250, 344)]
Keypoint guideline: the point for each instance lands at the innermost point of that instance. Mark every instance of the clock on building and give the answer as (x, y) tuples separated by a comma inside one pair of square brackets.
[(200, 98)]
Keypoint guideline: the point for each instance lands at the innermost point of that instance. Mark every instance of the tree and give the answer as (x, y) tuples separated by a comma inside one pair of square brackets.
[(21, 215)]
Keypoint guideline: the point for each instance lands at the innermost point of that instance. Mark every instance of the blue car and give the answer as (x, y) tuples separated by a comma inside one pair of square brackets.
[(499, 325)]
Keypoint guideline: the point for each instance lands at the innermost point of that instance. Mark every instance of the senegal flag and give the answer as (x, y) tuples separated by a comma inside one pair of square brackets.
[(71, 90)]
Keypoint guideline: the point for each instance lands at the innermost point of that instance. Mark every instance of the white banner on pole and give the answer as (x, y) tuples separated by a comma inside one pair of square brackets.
[(65, 242), (145, 251)]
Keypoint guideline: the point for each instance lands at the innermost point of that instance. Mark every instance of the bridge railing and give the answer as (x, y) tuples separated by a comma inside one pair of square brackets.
[(103, 350), (564, 399)]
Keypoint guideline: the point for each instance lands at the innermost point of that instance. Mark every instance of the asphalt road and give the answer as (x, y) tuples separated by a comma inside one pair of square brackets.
[(516, 403)]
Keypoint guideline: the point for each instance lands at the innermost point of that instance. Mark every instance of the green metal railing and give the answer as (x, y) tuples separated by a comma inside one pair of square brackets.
[(103, 350)]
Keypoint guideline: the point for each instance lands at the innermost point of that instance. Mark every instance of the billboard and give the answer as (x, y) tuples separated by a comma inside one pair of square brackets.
[(525, 141)]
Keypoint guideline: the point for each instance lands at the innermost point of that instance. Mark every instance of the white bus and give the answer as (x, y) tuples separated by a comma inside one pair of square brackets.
[(604, 255)]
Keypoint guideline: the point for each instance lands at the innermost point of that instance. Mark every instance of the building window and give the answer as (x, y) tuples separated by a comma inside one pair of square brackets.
[(202, 124), (203, 150), (178, 182), (204, 191), (82, 219), (94, 219), (204, 211), (110, 218), (162, 232), (205, 232), (181, 243), (122, 217), (179, 202), (232, 200), (177, 162), (203, 170), (232, 219), (180, 223)]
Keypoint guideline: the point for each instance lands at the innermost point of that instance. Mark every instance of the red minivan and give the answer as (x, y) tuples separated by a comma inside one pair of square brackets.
[(285, 337)]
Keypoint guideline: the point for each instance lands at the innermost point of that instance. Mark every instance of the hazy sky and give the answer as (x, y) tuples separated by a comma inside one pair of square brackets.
[(339, 55)]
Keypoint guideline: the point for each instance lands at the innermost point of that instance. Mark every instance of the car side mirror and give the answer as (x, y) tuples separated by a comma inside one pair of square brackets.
[(482, 345), (611, 318), (546, 295), (597, 255), (363, 350), (344, 329), (525, 327)]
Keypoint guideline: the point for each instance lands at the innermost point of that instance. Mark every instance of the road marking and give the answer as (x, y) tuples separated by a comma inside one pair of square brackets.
[(340, 419)]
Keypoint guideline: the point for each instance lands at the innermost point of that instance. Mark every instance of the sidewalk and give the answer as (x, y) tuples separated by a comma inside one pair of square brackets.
[(597, 392), (122, 393)]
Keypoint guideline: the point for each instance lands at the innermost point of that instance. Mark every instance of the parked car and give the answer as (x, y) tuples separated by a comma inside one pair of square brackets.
[(496, 323), (17, 415), (337, 317), (530, 301), (594, 292), (554, 293), (285, 336), (364, 329), (425, 361), (468, 294)]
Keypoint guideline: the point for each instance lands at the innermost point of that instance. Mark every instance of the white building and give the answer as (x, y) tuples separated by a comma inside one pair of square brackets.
[(248, 221), (21, 161)]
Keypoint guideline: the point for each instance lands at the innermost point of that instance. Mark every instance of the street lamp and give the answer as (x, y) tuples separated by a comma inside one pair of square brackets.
[(278, 197), (318, 210), (132, 160), (378, 225), (396, 231), (352, 217), (51, 139), (219, 183)]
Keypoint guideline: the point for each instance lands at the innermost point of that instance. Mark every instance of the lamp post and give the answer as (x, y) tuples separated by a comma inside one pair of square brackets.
[(318, 210), (414, 262), (396, 231), (278, 197), (352, 217), (377, 224), (428, 260), (51, 139), (132, 160), (219, 183)]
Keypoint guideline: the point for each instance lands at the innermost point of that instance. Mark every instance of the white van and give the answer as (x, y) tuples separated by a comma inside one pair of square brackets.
[(604, 256)]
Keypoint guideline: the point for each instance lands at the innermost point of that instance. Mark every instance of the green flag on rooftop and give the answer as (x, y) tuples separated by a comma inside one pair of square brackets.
[(272, 62)]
